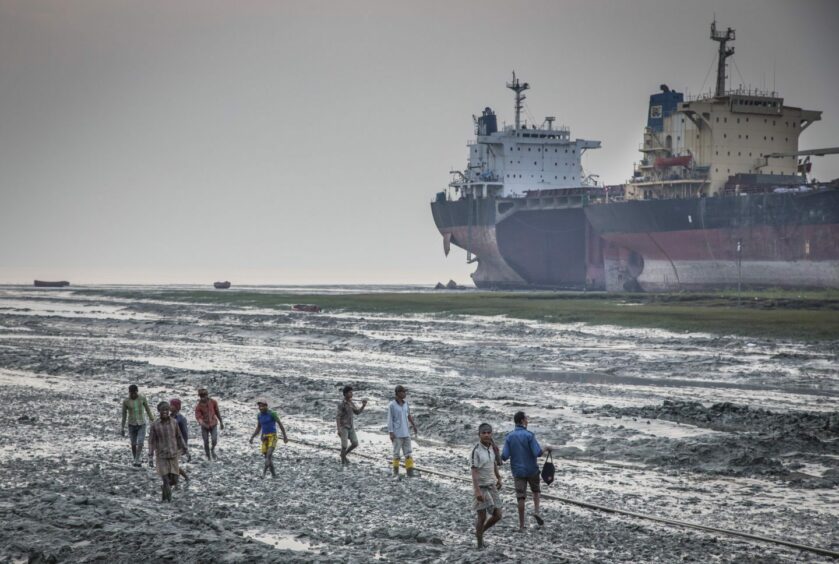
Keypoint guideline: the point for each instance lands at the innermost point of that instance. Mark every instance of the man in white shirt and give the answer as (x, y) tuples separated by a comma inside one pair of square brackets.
[(486, 481), (398, 419)]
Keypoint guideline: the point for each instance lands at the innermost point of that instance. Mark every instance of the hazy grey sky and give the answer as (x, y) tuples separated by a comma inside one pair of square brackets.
[(294, 142)]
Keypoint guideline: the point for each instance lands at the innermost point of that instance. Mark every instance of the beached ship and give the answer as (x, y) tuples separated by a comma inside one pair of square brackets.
[(517, 208), (221, 285), (51, 284), (721, 197)]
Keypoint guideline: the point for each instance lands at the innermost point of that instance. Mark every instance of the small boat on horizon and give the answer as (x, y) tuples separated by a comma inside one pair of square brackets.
[(51, 284), (308, 308), (221, 285)]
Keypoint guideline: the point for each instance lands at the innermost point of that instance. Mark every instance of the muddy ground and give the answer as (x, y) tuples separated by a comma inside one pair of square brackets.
[(725, 431)]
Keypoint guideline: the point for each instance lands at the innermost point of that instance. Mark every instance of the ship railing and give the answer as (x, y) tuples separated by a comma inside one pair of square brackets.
[(741, 91)]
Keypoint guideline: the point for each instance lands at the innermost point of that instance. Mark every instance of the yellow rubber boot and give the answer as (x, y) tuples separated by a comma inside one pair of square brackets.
[(395, 466), (409, 467)]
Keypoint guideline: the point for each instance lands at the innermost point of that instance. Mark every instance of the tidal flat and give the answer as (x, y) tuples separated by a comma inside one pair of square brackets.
[(733, 426)]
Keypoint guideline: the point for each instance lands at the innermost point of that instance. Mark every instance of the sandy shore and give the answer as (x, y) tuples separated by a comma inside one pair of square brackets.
[(726, 431)]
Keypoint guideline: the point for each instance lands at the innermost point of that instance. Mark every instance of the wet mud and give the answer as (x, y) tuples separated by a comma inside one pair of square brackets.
[(723, 431)]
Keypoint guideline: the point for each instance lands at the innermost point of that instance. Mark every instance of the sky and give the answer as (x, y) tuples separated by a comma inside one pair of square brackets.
[(301, 142)]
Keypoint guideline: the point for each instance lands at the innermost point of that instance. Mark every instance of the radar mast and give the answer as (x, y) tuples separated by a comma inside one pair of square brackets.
[(725, 52), (518, 88)]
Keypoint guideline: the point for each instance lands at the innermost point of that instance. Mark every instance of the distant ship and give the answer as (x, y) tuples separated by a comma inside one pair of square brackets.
[(720, 199), (51, 284), (221, 285), (517, 208)]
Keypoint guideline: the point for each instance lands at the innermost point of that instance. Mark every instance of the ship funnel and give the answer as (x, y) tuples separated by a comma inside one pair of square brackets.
[(487, 123)]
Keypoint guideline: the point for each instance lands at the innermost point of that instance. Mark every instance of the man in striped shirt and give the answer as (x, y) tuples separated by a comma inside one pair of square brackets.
[(167, 443), (486, 481), (133, 408)]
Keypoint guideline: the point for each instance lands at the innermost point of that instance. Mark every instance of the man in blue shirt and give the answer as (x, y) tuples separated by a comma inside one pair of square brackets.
[(267, 422), (522, 449)]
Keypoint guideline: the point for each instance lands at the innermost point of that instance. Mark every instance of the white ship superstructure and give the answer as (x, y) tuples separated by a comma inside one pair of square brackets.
[(521, 158)]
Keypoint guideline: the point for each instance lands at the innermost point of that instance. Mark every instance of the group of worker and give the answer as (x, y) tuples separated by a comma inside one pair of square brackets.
[(169, 437)]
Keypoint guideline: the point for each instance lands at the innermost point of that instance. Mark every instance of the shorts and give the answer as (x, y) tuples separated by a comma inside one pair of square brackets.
[(491, 502), (167, 466), (348, 436), (268, 441), (137, 434), (521, 485), (403, 445)]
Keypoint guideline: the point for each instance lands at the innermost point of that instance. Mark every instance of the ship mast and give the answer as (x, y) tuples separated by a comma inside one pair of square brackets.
[(518, 88), (725, 52)]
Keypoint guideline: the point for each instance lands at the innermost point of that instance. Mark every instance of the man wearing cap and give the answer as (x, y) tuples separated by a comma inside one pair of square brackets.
[(398, 418), (134, 409), (209, 417), (344, 420), (522, 449), (166, 442), (267, 421), (486, 481)]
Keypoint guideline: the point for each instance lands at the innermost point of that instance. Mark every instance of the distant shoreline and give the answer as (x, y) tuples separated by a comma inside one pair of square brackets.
[(807, 315)]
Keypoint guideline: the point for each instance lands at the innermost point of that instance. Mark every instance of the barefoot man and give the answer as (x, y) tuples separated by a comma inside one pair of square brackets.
[(522, 449), (267, 421), (486, 481), (134, 409), (209, 417), (344, 420), (166, 443)]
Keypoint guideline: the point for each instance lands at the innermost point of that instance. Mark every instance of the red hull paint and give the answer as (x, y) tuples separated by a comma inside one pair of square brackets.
[(762, 243)]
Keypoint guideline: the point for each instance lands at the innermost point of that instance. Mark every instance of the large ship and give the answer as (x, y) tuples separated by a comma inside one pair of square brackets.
[(517, 208), (721, 196)]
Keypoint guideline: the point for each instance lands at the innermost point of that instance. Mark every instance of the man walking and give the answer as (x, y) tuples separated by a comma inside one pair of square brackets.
[(209, 417), (486, 481), (166, 442), (175, 412), (133, 408), (522, 449), (398, 418), (344, 420), (267, 421)]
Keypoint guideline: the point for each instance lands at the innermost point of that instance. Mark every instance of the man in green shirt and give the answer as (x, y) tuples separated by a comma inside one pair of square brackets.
[(132, 411)]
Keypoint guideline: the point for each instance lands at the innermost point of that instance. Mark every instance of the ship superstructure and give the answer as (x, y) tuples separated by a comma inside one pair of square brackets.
[(517, 207), (719, 197)]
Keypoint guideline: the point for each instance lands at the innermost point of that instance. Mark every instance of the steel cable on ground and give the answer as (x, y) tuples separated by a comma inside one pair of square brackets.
[(607, 509)]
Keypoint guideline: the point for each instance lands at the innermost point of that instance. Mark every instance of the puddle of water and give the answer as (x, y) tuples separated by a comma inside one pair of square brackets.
[(281, 540)]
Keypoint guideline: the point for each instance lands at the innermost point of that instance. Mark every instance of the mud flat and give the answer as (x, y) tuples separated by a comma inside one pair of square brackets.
[(718, 429)]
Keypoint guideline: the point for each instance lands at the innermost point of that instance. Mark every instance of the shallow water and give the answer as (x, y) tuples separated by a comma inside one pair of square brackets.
[(68, 357)]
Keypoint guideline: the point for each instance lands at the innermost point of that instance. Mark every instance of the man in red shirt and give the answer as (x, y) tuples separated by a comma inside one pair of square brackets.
[(209, 418)]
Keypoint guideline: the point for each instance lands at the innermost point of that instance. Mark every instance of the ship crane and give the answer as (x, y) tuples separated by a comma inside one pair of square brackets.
[(807, 153)]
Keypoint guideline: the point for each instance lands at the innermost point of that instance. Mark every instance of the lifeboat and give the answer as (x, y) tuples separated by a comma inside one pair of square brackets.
[(664, 162)]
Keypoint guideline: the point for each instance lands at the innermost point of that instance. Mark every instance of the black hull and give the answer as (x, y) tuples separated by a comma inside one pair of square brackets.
[(524, 243)]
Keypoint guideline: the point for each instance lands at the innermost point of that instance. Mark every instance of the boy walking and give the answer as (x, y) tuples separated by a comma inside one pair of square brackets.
[(344, 420), (134, 409), (486, 481), (166, 442), (267, 421), (398, 418), (209, 417)]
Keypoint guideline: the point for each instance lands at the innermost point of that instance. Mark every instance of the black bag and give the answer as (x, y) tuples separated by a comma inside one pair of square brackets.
[(548, 470)]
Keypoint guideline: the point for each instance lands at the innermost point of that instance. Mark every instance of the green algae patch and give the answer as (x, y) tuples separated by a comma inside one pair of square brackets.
[(771, 313)]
